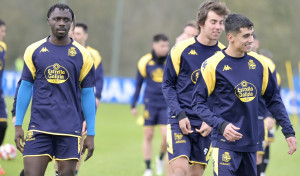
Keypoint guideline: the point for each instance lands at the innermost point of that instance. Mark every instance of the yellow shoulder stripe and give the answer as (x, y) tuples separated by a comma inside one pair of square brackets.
[(278, 79), (95, 56), (269, 63), (143, 63), (208, 70), (177, 51), (265, 71), (87, 64), (28, 56), (3, 45), (221, 46)]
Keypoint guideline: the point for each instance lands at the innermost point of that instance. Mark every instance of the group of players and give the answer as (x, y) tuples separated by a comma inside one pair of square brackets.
[(219, 99), (215, 97)]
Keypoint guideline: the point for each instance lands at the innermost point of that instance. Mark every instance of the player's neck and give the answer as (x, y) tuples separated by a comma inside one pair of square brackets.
[(206, 41), (59, 41), (234, 52)]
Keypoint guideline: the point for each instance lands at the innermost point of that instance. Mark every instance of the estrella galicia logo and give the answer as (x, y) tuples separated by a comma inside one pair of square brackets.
[(245, 91), (157, 75), (195, 76), (56, 74)]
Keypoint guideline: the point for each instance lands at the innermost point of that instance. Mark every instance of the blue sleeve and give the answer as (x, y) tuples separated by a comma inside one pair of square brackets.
[(169, 89), (89, 109), (13, 111), (24, 96), (276, 107), (200, 106), (99, 81), (139, 83)]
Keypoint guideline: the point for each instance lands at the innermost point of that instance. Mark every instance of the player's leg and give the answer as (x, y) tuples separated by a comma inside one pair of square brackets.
[(226, 162), (262, 136), (3, 126), (36, 165), (147, 146), (162, 121), (67, 167), (248, 164), (200, 153), (67, 153), (38, 151), (179, 150)]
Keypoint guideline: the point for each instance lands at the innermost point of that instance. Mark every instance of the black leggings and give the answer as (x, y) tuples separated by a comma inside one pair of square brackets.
[(3, 126)]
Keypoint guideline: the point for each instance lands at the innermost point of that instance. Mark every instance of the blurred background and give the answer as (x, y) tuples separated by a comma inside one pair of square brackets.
[(122, 31)]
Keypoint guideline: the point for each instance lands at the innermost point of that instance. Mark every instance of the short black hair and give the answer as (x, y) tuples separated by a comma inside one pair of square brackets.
[(83, 25), (60, 7), (159, 37), (234, 22), (2, 23)]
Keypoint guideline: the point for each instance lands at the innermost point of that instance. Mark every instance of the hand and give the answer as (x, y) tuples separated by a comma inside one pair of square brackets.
[(204, 129), (134, 112), (13, 120), (269, 123), (83, 132), (19, 136), (292, 142), (89, 145), (97, 101), (185, 126), (231, 134)]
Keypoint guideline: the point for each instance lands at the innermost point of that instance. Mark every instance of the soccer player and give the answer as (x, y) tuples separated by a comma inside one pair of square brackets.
[(190, 30), (3, 115), (63, 76), (188, 139), (234, 80), (80, 35), (150, 69)]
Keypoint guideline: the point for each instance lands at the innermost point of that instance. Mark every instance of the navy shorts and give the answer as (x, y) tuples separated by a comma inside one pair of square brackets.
[(194, 147), (3, 113), (261, 135), (155, 115), (230, 163), (54, 146)]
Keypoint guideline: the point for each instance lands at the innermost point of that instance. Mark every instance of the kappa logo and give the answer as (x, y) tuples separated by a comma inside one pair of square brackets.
[(193, 52), (227, 68), (44, 49)]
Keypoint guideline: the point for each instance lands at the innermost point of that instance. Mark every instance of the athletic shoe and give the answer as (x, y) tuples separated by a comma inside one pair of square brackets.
[(159, 166), (148, 172)]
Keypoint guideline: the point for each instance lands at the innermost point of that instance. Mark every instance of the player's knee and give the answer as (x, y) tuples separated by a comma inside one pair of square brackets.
[(197, 170), (67, 172), (180, 171), (149, 135)]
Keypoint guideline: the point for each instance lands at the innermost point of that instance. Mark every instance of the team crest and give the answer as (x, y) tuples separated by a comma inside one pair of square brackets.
[(29, 136), (245, 91), (251, 65), (56, 74), (195, 76), (226, 157), (157, 75), (72, 51), (178, 138)]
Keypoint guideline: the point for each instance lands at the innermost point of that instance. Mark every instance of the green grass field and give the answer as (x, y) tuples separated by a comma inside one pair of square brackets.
[(118, 149)]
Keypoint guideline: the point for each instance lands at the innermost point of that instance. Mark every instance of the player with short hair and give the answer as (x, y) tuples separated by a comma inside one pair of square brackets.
[(188, 137), (3, 114), (190, 30), (62, 74), (233, 79), (150, 69), (80, 34)]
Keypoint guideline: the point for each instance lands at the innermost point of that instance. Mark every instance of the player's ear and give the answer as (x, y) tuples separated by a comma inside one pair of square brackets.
[(230, 37), (48, 22)]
